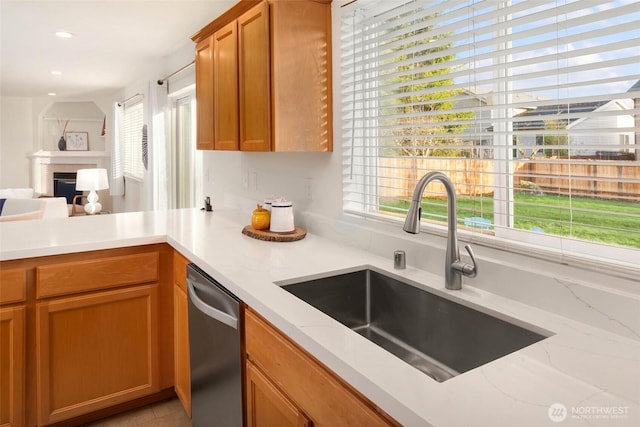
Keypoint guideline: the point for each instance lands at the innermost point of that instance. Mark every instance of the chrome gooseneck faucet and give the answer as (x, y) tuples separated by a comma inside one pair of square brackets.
[(454, 267)]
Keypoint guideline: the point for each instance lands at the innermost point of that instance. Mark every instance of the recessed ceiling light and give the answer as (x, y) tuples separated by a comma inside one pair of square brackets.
[(64, 34), (52, 94), (56, 72)]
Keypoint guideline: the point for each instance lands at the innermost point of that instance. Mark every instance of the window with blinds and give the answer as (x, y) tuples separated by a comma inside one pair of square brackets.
[(131, 140), (530, 107)]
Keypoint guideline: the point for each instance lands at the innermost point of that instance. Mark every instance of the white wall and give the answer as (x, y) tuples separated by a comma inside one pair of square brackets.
[(17, 139)]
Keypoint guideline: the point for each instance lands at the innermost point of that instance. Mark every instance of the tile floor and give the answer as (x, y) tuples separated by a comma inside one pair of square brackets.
[(168, 413)]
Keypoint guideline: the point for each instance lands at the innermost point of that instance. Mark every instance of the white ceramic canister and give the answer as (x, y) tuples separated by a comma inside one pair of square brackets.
[(282, 216)]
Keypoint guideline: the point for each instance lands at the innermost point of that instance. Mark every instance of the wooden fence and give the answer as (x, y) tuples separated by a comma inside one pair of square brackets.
[(607, 180), (471, 177), (475, 177)]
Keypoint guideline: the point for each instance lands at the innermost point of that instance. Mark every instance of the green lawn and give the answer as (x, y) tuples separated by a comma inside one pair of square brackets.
[(607, 221)]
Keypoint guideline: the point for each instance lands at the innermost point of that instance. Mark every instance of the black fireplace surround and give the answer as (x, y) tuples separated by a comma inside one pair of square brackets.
[(64, 185)]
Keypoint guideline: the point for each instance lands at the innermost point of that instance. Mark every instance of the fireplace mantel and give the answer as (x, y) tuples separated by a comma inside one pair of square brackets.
[(45, 163), (69, 157)]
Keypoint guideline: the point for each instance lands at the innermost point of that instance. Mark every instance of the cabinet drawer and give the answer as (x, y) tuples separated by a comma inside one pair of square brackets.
[(312, 387), (12, 285), (80, 276)]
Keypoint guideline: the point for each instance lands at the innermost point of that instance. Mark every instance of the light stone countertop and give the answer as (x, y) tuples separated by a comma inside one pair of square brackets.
[(593, 373)]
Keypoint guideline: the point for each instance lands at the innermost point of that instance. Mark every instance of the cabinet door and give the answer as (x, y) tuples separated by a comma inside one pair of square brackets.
[(12, 369), (204, 94), (182, 372), (301, 76), (267, 406), (95, 351), (225, 87), (254, 79), (327, 399), (181, 345)]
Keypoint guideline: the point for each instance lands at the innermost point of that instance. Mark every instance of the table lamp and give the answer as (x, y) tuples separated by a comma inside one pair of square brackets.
[(92, 180)]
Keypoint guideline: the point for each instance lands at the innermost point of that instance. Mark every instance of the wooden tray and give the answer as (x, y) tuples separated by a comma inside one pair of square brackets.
[(270, 236)]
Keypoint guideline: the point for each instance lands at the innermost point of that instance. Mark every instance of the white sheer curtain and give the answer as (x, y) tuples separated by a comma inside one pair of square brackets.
[(158, 135), (116, 186)]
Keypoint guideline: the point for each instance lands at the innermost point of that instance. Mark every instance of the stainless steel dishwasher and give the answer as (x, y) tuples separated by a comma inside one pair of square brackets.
[(215, 352)]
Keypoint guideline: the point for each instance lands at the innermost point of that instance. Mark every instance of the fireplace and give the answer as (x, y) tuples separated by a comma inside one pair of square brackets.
[(64, 185), (45, 163)]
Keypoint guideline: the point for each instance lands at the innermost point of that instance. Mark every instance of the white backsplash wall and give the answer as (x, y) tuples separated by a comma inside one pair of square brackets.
[(239, 180)]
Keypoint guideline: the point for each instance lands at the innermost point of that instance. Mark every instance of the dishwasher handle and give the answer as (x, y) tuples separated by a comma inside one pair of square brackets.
[(220, 316)]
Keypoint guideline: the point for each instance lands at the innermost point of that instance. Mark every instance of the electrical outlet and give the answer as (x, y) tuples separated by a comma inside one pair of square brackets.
[(309, 188), (245, 181), (254, 181)]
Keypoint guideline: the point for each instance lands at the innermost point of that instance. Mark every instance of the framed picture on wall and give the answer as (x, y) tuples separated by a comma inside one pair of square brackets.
[(77, 141)]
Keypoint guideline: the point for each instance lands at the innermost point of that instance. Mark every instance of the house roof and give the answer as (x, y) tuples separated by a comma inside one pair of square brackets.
[(635, 87), (546, 112)]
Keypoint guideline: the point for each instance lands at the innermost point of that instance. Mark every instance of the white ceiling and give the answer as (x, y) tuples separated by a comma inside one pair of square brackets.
[(115, 42)]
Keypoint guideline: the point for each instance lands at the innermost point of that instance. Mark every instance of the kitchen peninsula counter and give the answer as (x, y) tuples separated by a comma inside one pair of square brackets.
[(592, 373)]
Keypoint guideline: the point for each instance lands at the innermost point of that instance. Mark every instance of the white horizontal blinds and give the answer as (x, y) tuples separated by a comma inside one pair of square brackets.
[(530, 107), (132, 140)]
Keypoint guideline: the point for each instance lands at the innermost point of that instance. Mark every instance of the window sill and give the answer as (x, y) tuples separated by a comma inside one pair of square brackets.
[(624, 269)]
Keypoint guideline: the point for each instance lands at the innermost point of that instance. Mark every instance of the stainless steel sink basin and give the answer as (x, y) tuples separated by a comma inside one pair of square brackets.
[(435, 335)]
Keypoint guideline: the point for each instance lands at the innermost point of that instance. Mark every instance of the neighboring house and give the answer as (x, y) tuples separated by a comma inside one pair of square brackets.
[(584, 136), (480, 133)]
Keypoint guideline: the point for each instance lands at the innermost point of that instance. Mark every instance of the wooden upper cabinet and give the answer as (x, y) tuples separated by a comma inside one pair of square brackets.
[(225, 87), (254, 81), (204, 94), (301, 76), (283, 87)]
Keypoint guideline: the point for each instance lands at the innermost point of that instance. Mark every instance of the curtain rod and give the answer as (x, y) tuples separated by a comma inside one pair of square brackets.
[(121, 103), (161, 82)]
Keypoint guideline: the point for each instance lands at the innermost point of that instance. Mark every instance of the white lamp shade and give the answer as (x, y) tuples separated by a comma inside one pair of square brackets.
[(92, 179)]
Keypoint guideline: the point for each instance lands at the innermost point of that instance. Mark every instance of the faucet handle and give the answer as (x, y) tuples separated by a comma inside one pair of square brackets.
[(468, 269)]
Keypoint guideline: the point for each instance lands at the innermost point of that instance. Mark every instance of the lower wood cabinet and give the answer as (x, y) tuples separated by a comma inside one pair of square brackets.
[(267, 406), (86, 335), (12, 366), (285, 382), (96, 350), (182, 370)]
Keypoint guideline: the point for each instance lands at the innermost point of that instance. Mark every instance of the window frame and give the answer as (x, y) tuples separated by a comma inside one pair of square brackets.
[(505, 234), (131, 142)]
